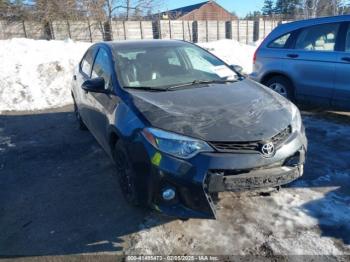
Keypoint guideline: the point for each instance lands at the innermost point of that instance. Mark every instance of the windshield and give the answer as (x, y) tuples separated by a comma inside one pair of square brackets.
[(166, 66)]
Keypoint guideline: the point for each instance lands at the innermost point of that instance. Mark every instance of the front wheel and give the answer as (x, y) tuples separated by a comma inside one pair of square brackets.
[(282, 86), (126, 175)]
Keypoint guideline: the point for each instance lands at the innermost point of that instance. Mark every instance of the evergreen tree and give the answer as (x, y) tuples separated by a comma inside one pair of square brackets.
[(287, 9), (268, 8)]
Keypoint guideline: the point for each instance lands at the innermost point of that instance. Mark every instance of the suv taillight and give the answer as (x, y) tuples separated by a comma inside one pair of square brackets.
[(254, 57)]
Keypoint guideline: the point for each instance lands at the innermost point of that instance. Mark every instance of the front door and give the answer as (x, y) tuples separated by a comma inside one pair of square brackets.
[(102, 105)]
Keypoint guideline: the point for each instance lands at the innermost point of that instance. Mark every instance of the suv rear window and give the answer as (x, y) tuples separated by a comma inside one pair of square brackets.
[(280, 42), (318, 38)]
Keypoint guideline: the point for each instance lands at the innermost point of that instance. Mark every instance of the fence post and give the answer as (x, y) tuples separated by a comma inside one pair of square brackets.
[(183, 30), (195, 31), (170, 34), (156, 29), (256, 30), (53, 36), (189, 31), (24, 29), (124, 29), (247, 32), (217, 30), (68, 29), (206, 31), (89, 26), (141, 30), (228, 29), (238, 33)]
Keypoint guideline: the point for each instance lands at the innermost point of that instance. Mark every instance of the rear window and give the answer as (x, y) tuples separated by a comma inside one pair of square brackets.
[(318, 38), (280, 42)]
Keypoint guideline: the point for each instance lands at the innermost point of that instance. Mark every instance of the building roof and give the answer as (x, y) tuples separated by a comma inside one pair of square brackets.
[(189, 8), (183, 11), (180, 11)]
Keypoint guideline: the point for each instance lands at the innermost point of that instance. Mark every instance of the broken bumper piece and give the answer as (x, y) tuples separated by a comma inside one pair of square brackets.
[(263, 178)]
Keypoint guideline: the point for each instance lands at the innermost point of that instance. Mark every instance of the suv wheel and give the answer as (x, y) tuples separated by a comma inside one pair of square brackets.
[(126, 174), (281, 85), (81, 124)]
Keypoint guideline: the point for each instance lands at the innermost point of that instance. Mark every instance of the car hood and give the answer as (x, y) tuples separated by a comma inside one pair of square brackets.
[(240, 111)]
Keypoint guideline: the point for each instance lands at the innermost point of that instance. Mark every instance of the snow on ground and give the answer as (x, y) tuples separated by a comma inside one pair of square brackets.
[(37, 74), (233, 52)]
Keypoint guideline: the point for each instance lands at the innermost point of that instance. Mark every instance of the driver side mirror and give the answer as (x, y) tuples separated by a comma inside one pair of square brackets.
[(95, 85), (237, 68)]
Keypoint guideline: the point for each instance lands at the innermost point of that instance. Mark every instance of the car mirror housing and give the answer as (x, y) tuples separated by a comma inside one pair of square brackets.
[(237, 68), (95, 85)]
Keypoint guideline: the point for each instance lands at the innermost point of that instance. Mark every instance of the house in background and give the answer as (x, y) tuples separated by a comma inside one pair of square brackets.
[(208, 10)]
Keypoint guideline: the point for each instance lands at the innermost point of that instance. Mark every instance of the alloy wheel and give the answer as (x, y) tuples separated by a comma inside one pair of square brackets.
[(125, 176), (280, 89)]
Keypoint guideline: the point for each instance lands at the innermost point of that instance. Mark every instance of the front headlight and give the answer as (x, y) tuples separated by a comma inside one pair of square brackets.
[(296, 119), (174, 144)]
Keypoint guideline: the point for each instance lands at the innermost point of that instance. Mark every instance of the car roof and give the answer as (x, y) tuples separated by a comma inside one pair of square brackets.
[(292, 26), (143, 43)]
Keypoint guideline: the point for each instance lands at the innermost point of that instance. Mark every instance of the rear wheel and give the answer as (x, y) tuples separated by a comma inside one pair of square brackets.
[(81, 124), (126, 174), (282, 86)]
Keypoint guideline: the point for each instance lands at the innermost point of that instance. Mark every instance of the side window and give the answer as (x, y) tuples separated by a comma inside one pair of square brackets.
[(347, 43), (102, 67), (280, 42), (86, 63), (318, 38)]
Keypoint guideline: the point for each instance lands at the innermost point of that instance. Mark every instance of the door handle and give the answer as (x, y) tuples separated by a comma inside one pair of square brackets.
[(346, 59), (293, 55), (74, 77)]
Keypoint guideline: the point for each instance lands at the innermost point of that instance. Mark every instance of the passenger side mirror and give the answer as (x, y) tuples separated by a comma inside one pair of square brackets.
[(237, 68), (95, 85)]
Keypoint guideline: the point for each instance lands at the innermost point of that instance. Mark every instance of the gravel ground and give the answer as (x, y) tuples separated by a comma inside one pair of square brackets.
[(59, 196)]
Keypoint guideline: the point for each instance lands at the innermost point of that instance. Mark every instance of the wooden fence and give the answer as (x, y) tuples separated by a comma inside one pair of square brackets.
[(244, 31)]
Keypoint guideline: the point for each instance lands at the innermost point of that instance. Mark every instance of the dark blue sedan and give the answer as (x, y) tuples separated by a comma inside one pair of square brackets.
[(182, 126)]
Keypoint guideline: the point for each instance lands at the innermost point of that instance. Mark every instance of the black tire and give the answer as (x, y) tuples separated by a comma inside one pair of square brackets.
[(282, 86), (126, 175), (81, 124)]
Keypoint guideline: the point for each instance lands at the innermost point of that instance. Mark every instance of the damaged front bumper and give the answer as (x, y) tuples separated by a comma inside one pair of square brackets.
[(197, 181)]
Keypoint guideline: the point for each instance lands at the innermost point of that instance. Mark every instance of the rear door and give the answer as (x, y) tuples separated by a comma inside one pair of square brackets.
[(311, 63), (341, 97)]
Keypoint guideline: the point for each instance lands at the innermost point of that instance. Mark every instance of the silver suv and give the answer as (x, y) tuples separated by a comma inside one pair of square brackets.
[(308, 61)]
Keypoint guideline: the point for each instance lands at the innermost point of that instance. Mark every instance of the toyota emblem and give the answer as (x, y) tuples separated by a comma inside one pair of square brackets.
[(268, 149)]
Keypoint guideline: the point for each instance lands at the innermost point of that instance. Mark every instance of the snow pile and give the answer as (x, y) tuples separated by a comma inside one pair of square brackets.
[(233, 53), (37, 74)]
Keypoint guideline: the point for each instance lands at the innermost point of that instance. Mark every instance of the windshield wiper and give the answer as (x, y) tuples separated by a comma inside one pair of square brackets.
[(147, 88), (197, 82)]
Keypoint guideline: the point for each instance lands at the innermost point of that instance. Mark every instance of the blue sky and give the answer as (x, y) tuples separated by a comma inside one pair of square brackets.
[(240, 7)]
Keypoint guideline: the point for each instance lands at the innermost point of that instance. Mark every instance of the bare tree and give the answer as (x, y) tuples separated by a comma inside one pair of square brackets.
[(130, 7), (316, 8)]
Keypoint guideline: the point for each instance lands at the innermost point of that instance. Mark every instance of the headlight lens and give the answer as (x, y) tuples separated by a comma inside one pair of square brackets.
[(296, 119), (174, 144)]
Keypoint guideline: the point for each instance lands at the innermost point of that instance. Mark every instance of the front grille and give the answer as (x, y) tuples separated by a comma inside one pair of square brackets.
[(277, 140), (236, 146)]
